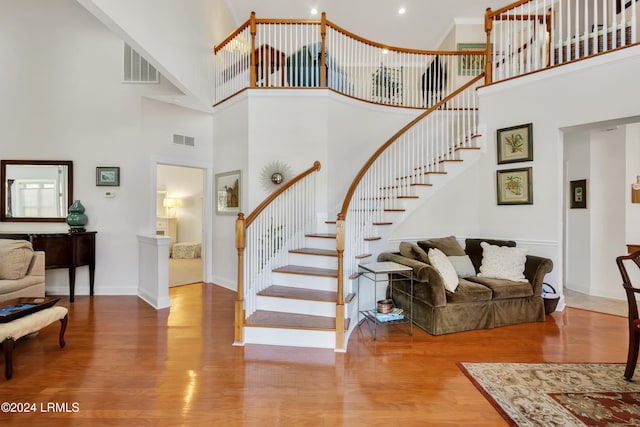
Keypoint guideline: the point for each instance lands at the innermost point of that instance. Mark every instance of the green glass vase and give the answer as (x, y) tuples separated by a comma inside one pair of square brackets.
[(76, 218)]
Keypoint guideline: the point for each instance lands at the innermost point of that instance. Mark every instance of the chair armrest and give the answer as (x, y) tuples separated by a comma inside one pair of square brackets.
[(423, 275), (534, 271), (36, 268)]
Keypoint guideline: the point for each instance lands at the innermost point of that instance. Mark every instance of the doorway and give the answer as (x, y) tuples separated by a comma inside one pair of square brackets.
[(180, 216)]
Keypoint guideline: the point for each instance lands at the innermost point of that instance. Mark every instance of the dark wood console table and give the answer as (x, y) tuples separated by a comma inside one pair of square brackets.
[(64, 250)]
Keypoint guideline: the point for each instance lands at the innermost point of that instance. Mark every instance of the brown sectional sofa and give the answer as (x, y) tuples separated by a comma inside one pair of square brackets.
[(478, 302)]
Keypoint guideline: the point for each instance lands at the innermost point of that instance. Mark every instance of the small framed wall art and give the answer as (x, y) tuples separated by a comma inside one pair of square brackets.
[(108, 176), (578, 194), (514, 186), (228, 192), (471, 64), (515, 144)]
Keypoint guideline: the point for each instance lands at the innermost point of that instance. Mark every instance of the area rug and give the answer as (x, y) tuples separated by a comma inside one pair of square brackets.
[(547, 394)]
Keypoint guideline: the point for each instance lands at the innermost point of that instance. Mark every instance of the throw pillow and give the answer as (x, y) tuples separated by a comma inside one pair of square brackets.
[(441, 263), (16, 257), (502, 262), (463, 266), (413, 251), (448, 245)]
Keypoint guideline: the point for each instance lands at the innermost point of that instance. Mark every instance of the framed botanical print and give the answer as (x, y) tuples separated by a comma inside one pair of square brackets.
[(578, 194), (515, 144), (228, 192), (514, 186)]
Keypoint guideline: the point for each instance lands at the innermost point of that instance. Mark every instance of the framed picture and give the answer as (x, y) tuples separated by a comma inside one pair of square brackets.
[(228, 192), (514, 186), (471, 65), (515, 144), (108, 176), (578, 194)]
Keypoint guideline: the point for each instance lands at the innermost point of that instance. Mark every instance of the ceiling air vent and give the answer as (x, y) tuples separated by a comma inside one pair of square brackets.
[(137, 69), (189, 141)]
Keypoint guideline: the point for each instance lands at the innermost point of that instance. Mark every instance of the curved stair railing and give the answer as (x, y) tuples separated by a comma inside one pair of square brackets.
[(407, 160), (265, 236)]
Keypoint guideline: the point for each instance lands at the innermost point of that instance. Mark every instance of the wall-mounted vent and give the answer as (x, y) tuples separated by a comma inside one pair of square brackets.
[(137, 69), (189, 141)]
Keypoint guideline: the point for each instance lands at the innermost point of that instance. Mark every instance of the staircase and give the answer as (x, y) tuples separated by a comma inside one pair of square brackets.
[(298, 308)]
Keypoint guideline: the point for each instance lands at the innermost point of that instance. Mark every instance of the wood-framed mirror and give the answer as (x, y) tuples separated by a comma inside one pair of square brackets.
[(35, 190)]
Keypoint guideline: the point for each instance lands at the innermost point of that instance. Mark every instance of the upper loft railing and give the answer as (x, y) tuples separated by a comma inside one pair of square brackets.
[(265, 236), (280, 53), (530, 35)]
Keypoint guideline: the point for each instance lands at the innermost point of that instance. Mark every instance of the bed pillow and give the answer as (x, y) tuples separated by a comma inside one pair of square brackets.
[(441, 263), (448, 245), (502, 262), (15, 256), (413, 251), (463, 266)]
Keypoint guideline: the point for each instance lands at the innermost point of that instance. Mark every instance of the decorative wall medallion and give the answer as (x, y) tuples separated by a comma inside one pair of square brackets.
[(274, 174)]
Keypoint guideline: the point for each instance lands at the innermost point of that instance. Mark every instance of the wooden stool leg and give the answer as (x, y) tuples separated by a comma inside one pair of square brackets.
[(63, 328), (7, 346)]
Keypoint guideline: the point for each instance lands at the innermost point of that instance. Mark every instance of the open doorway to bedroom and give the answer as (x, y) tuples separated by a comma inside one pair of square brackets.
[(180, 216)]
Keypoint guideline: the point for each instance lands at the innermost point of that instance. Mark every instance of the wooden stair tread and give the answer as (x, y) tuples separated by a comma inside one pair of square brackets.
[(362, 256), (309, 271), (299, 293), (371, 239), (382, 223), (274, 319), (322, 235), (315, 251)]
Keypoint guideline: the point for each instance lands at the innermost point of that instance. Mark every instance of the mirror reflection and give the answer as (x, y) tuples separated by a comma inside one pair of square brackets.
[(36, 190)]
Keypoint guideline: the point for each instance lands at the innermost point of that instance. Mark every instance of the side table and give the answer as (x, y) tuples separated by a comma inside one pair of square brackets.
[(380, 272)]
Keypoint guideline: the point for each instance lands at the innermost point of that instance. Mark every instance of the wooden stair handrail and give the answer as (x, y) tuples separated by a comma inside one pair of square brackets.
[(266, 202), (231, 36), (354, 184)]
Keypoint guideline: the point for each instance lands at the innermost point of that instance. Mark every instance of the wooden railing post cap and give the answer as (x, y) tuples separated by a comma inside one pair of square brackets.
[(316, 165), (240, 216)]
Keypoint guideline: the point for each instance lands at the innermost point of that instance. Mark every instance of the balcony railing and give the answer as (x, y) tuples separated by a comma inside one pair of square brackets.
[(531, 35), (278, 53)]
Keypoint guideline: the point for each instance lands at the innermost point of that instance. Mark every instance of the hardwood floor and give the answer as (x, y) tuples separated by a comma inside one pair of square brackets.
[(128, 364)]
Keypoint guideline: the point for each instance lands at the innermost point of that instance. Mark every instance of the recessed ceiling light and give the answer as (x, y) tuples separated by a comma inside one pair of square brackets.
[(401, 11), (314, 11)]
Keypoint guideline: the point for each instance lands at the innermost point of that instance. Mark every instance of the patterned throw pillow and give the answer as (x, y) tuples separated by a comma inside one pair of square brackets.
[(501, 262), (441, 263)]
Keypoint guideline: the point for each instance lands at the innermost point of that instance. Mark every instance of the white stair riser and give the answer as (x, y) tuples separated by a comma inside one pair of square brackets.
[(290, 337), (320, 243), (310, 282), (318, 261), (290, 305)]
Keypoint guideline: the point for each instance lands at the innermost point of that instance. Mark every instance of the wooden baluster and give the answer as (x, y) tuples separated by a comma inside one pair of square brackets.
[(253, 61), (340, 344), (323, 35), (239, 308)]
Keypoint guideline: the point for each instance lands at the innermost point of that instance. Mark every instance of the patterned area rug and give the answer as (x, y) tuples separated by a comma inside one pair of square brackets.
[(547, 394)]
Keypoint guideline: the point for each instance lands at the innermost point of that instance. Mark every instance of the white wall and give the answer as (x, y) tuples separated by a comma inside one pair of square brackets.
[(175, 36), (63, 99)]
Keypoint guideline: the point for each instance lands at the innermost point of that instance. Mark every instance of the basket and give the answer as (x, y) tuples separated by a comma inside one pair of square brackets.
[(550, 298)]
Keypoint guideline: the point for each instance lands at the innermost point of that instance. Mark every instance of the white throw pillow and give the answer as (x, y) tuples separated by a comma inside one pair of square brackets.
[(503, 262), (441, 263), (463, 266)]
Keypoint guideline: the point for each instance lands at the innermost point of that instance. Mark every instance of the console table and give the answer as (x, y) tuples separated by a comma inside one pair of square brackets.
[(64, 250)]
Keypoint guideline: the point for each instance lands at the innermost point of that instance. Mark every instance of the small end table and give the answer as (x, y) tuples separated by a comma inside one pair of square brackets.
[(378, 272)]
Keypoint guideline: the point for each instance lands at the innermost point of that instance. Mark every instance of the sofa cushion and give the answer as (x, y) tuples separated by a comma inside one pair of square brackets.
[(468, 291), (448, 245), (413, 251), (463, 266), (474, 250), (501, 262), (15, 257), (441, 263), (504, 289)]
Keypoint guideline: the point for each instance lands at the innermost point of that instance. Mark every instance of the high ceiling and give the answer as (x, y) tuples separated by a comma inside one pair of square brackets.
[(422, 26)]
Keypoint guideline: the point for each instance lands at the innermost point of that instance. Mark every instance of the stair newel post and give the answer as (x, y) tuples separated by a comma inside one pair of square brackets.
[(253, 75), (323, 59), (488, 66), (239, 306), (550, 18), (340, 344)]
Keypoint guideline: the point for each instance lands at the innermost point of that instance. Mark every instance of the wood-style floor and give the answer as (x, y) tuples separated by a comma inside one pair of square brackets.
[(126, 364)]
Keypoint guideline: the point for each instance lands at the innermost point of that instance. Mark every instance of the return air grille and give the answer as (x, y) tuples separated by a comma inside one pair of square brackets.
[(189, 141), (137, 69)]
